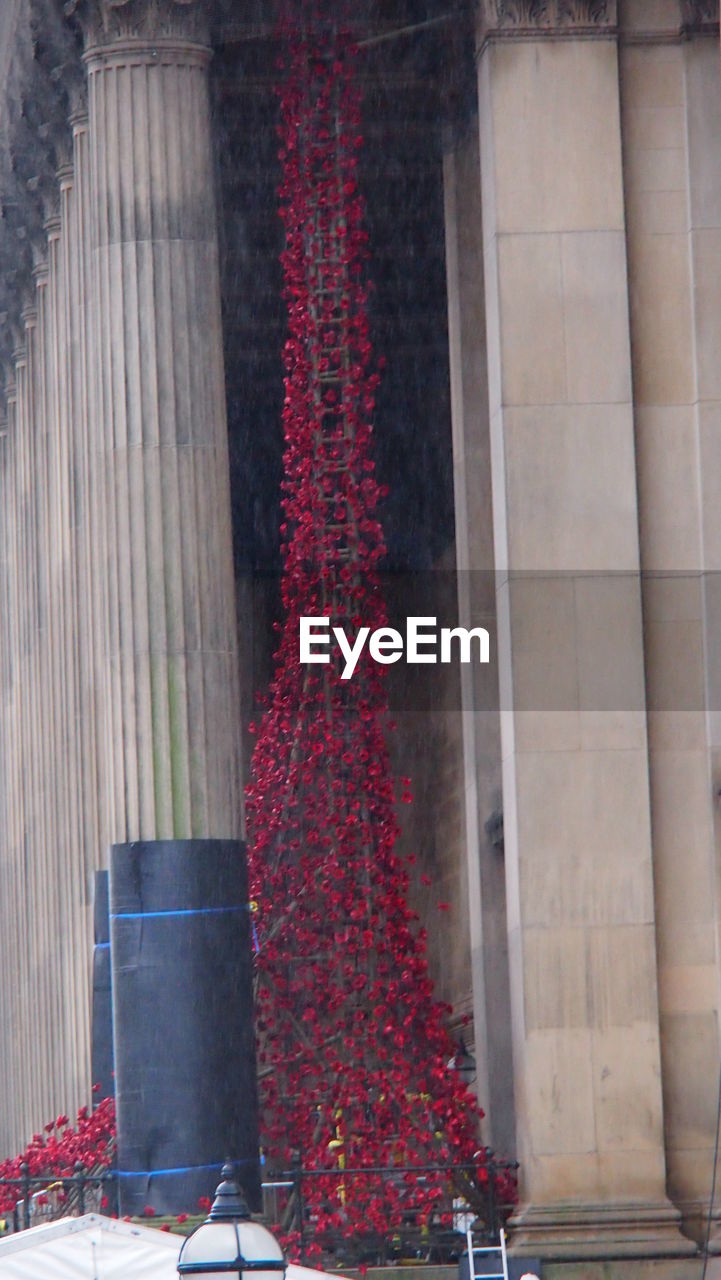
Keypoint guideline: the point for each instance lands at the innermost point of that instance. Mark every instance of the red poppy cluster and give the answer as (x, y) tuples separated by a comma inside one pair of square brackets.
[(60, 1148), (352, 1046)]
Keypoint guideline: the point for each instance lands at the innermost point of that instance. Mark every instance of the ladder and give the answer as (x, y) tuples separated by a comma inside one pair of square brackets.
[(475, 1250)]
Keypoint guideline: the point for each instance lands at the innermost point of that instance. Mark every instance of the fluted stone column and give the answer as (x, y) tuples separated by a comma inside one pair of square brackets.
[(582, 953), (46, 854), (159, 477), (66, 771), (13, 769), (26, 826), (172, 710), (34, 972), (6, 1057), (86, 515), (43, 839), (34, 833)]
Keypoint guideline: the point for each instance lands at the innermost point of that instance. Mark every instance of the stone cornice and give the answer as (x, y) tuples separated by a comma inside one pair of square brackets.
[(531, 19), (106, 21)]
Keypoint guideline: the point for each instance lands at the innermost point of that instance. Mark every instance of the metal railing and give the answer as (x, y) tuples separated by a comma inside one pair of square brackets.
[(47, 1198), (422, 1228), (416, 1232)]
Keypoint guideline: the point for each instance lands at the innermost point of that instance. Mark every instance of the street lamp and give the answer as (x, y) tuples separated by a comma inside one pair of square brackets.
[(229, 1244), (463, 1062)]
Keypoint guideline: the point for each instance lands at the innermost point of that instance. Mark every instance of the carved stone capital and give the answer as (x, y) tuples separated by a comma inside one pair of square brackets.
[(700, 15), (10, 388), (105, 22), (529, 19)]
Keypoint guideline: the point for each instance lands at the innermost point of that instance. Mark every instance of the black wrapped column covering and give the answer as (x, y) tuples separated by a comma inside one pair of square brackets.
[(102, 1025), (182, 1022)]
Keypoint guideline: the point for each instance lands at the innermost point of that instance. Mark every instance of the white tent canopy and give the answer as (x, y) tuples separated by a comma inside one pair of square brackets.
[(89, 1248), (97, 1248)]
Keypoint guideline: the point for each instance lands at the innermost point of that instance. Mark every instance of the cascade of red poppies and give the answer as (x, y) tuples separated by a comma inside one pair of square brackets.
[(353, 1051), (61, 1149)]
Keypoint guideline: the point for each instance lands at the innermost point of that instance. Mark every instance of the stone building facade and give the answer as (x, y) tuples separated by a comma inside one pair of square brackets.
[(571, 156)]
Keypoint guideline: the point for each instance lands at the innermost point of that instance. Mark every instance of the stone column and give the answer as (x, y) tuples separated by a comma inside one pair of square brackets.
[(26, 830), (702, 68), (49, 1007), (671, 112), (159, 406), (33, 973), (88, 524), (476, 607), (16, 868), (14, 912), (6, 1057), (64, 769), (584, 1004)]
